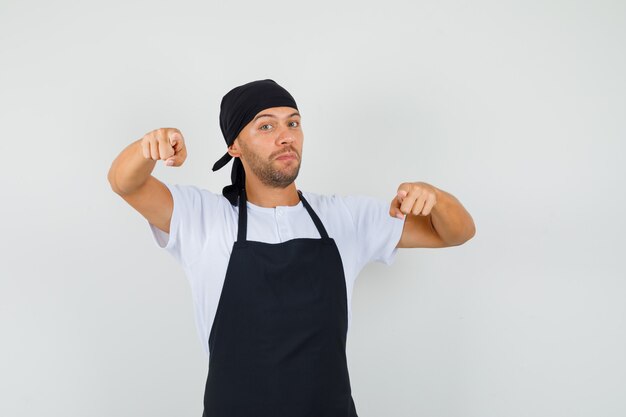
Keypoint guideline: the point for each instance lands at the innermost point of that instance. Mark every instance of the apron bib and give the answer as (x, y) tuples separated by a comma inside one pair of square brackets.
[(277, 346)]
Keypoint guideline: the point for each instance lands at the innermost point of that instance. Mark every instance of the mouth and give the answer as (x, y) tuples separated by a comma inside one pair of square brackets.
[(288, 155)]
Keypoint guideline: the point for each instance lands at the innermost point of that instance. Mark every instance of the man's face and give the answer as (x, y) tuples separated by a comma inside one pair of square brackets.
[(264, 142)]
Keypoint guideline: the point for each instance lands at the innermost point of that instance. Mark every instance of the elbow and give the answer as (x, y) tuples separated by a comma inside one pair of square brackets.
[(111, 179), (112, 182), (469, 234), (471, 230)]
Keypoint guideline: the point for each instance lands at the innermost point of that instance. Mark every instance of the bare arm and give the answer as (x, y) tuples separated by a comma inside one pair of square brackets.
[(131, 177)]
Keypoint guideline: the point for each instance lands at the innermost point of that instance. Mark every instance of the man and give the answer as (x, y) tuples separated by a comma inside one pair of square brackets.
[(271, 267)]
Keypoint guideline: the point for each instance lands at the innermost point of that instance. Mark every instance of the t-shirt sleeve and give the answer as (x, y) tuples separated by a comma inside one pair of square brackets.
[(190, 223), (376, 232)]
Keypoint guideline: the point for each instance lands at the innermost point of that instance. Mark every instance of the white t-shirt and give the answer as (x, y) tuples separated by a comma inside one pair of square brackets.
[(204, 225)]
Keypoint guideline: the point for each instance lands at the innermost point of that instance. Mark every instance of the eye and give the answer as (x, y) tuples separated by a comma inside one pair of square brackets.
[(297, 124), (262, 126)]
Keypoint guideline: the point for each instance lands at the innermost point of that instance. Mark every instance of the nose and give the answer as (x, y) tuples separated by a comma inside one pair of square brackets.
[(285, 135)]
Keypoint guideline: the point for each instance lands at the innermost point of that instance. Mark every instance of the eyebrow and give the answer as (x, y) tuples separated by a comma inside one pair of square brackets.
[(271, 115)]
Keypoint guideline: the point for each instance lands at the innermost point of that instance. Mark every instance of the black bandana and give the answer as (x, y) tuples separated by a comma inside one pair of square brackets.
[(238, 108)]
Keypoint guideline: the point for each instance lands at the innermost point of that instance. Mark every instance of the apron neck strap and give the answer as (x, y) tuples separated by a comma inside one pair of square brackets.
[(318, 223), (243, 216)]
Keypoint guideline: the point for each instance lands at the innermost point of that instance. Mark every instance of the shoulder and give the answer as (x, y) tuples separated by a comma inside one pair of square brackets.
[(327, 203), (321, 199), (198, 209), (350, 202), (348, 209), (365, 229), (196, 196), (193, 190)]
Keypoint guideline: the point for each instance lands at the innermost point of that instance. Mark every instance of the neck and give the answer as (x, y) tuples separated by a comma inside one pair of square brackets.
[(262, 195)]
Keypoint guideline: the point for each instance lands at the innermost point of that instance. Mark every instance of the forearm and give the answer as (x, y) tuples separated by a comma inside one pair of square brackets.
[(450, 219), (130, 170)]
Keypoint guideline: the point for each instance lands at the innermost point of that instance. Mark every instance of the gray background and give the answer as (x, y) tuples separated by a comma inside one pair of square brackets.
[(515, 107)]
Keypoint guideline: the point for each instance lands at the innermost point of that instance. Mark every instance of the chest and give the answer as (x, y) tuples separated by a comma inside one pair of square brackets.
[(276, 225)]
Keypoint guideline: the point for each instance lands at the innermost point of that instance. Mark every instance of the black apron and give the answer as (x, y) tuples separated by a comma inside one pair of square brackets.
[(277, 346)]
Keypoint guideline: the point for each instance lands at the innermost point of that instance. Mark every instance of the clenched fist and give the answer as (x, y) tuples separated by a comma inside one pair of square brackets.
[(165, 144)]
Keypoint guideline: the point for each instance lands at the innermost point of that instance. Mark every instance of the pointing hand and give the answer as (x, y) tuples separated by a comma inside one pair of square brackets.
[(417, 198), (165, 144)]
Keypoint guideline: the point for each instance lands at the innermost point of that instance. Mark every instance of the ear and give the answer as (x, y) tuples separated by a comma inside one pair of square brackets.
[(233, 150)]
